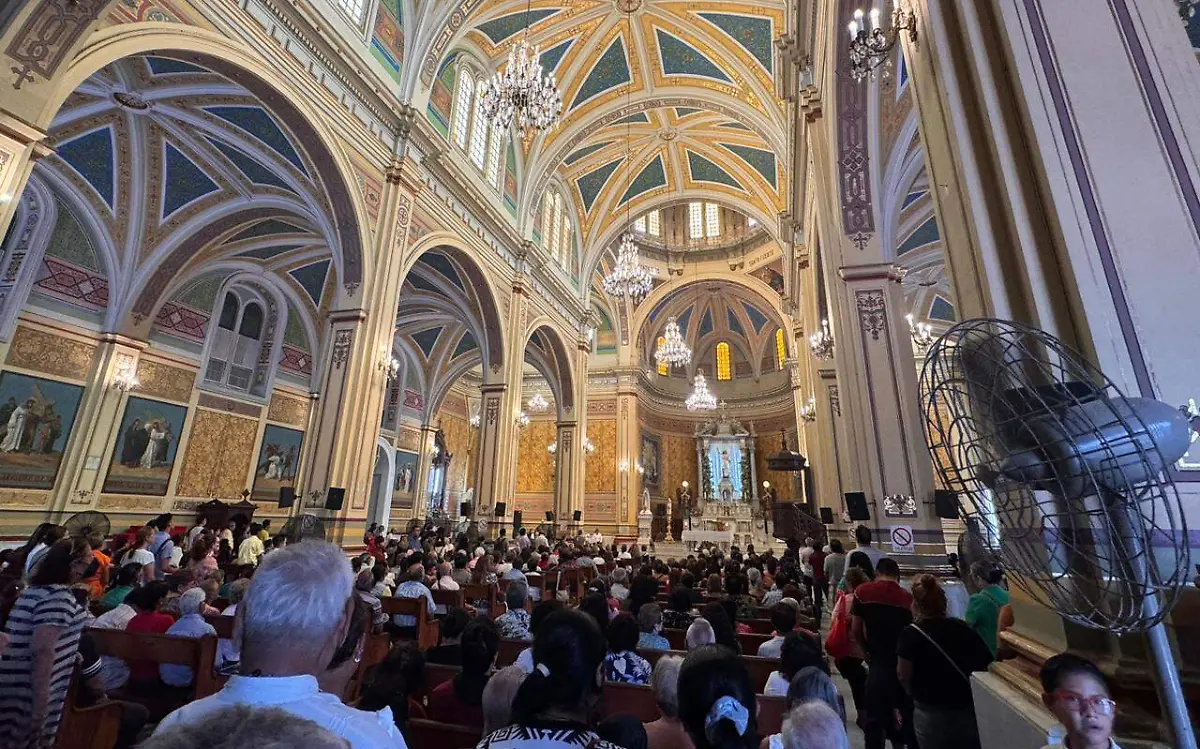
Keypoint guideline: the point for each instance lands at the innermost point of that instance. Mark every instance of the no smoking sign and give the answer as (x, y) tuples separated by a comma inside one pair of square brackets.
[(902, 540)]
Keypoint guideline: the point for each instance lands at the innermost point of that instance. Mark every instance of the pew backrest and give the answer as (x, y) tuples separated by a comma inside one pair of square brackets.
[(630, 699), (223, 625), (429, 733), (428, 629), (199, 653)]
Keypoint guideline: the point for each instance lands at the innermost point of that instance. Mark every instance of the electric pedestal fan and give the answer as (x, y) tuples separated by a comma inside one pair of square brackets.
[(1067, 481), (88, 524), (302, 527)]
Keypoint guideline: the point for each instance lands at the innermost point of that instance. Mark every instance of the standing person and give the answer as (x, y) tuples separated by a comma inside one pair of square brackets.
[(43, 638), (716, 700), (196, 530), (880, 612), (251, 549), (849, 656), (935, 657), (285, 646), (820, 583), (835, 564), (161, 546), (983, 608), (555, 703), (862, 544), (806, 570)]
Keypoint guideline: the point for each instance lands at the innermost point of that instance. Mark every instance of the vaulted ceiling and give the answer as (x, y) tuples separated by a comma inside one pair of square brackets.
[(663, 100)]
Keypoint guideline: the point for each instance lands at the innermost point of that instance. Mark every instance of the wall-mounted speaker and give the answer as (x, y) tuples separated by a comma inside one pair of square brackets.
[(464, 510), (287, 496), (334, 498), (578, 515), (549, 516), (500, 509), (827, 515), (856, 505), (945, 504)]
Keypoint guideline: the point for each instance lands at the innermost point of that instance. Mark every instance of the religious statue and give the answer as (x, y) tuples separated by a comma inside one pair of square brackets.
[(725, 464), (645, 502), (685, 500), (766, 501)]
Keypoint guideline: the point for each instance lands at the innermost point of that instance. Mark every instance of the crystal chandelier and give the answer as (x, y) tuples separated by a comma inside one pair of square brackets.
[(673, 350), (589, 447), (870, 50), (628, 277), (821, 342), (552, 448), (921, 334), (538, 404), (808, 412), (520, 92), (700, 399)]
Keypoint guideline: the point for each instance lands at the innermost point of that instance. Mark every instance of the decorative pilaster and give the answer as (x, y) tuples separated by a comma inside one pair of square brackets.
[(565, 474), (495, 422), (421, 498), (629, 439)]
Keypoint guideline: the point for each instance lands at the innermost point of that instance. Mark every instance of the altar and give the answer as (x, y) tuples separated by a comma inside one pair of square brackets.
[(728, 496)]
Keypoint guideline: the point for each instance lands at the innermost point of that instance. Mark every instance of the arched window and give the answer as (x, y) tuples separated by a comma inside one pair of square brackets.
[(556, 228), (654, 223), (696, 220), (663, 367), (712, 220), (495, 147), (479, 136), (462, 108), (724, 370), (780, 348), (236, 344)]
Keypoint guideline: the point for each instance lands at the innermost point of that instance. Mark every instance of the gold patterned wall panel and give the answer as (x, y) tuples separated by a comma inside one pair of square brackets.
[(679, 458), (458, 442), (51, 354), (218, 457), (783, 483), (159, 380), (287, 410), (408, 438), (601, 472), (535, 464)]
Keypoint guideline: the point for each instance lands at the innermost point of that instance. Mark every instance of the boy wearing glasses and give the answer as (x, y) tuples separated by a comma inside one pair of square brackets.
[(1077, 693)]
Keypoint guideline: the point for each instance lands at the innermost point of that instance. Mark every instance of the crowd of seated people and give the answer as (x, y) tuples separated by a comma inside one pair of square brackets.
[(525, 659)]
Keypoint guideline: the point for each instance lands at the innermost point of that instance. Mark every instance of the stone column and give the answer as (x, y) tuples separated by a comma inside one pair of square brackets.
[(496, 425), (341, 449), (421, 496), (566, 433), (629, 443)]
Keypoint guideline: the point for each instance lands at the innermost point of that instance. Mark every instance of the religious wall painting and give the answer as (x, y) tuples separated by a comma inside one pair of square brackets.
[(406, 473), (651, 460), (278, 459), (146, 446), (36, 417)]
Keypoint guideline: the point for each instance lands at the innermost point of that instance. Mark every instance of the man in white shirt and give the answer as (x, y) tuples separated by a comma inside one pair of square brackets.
[(285, 645), (541, 541), (196, 530), (251, 549)]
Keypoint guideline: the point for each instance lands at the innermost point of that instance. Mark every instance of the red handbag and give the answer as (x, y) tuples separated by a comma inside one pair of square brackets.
[(837, 645)]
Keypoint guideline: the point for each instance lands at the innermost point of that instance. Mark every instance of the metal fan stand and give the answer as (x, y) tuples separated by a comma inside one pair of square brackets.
[(1162, 658)]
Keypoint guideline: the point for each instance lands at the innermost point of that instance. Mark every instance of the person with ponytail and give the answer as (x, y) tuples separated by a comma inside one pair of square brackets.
[(716, 700), (935, 656), (555, 703), (460, 700)]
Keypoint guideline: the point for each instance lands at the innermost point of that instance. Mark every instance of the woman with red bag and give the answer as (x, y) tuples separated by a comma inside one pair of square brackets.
[(847, 654)]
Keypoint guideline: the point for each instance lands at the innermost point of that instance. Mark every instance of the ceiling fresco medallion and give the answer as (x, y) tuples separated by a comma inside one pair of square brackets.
[(629, 6), (668, 134), (131, 100)]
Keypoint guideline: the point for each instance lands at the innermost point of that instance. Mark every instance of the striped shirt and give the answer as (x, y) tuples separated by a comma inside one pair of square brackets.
[(38, 606)]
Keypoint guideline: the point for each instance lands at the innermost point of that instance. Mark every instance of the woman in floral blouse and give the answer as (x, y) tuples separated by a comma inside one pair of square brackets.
[(622, 664)]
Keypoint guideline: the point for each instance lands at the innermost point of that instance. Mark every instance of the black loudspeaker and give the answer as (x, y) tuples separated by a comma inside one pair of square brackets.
[(464, 510), (287, 496), (334, 498), (516, 521), (549, 516), (946, 504), (856, 505), (578, 515), (500, 508), (827, 515)]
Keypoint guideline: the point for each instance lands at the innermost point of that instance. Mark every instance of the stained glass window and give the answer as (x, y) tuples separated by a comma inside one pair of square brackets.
[(696, 220), (712, 219), (663, 367), (653, 224), (462, 108), (493, 165), (724, 370), (479, 134), (780, 347), (353, 10)]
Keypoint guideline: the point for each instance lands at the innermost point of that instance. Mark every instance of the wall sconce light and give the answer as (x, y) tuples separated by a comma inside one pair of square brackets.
[(522, 420), (552, 448), (389, 364), (623, 466), (589, 447), (475, 419), (921, 334), (641, 469), (871, 50), (126, 378), (808, 412), (821, 342)]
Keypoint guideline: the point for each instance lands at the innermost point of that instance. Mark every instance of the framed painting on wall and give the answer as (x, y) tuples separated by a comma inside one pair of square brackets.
[(146, 446), (277, 461), (36, 417), (651, 460), (406, 472)]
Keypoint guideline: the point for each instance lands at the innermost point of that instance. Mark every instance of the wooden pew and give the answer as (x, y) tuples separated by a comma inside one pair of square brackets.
[(758, 626), (750, 642), (509, 650), (93, 727), (448, 598), (429, 733), (435, 674), (770, 714), (630, 699), (199, 653), (475, 592), (428, 628), (759, 668), (223, 625)]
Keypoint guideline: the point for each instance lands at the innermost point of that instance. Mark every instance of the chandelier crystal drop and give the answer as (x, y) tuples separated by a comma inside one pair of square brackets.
[(673, 350), (522, 93), (700, 399), (628, 277), (821, 342), (538, 403)]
